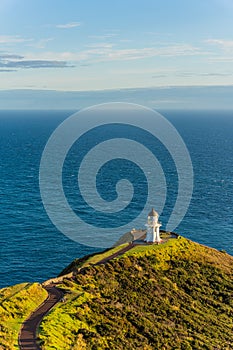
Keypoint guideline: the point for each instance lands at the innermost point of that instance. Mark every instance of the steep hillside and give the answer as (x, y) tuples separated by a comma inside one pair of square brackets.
[(16, 304), (177, 295)]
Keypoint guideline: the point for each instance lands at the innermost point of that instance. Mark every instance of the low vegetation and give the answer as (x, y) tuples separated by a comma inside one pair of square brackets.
[(91, 259), (172, 296), (16, 304)]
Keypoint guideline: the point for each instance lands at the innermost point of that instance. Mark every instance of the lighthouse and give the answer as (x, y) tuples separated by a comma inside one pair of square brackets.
[(153, 226)]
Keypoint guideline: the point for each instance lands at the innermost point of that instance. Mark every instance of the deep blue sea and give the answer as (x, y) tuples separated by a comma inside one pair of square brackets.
[(31, 247)]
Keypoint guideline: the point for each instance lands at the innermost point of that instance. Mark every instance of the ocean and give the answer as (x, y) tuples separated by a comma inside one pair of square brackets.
[(33, 249)]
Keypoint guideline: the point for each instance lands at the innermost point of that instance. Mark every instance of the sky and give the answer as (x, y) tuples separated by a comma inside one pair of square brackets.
[(88, 45)]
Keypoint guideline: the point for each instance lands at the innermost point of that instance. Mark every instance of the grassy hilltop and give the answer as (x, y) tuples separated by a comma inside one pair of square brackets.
[(172, 296), (178, 295)]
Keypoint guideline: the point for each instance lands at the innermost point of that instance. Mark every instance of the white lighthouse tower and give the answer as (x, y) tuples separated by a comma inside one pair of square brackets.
[(153, 225)]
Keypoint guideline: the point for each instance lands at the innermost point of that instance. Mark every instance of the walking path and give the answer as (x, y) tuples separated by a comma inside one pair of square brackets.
[(115, 255), (28, 332)]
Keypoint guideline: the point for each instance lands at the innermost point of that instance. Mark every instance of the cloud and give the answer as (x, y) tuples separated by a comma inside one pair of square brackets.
[(7, 70), (203, 74), (158, 34), (225, 48), (224, 44), (35, 64), (125, 41), (13, 39), (141, 53), (68, 25), (157, 76), (6, 56), (227, 59), (95, 53), (104, 52), (10, 62), (104, 36), (100, 45), (41, 44)]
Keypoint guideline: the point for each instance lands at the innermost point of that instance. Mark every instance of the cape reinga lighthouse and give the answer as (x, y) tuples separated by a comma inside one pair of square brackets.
[(153, 226)]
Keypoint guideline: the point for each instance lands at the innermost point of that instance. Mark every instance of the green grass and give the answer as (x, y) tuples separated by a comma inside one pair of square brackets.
[(141, 250), (16, 304), (62, 322), (98, 257), (90, 259), (176, 295)]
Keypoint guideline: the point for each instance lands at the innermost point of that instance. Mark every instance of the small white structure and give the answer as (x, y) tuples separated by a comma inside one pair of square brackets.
[(153, 225)]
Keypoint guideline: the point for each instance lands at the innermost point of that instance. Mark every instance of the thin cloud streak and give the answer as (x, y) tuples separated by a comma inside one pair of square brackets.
[(103, 37), (224, 44), (133, 54), (13, 39), (18, 62), (100, 45), (41, 44), (68, 25), (106, 53), (7, 70), (220, 59), (7, 56), (202, 74)]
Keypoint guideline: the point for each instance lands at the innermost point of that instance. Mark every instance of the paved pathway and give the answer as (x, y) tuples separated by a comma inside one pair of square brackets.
[(114, 255), (27, 335)]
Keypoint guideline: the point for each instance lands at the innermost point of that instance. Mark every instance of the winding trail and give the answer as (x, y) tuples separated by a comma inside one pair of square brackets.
[(28, 333)]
